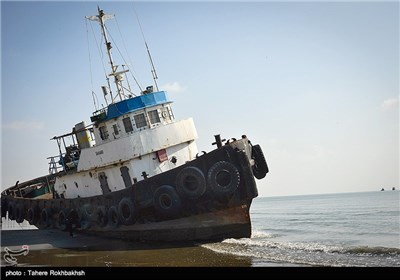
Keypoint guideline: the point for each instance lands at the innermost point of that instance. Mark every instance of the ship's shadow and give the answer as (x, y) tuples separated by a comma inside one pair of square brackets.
[(56, 239)]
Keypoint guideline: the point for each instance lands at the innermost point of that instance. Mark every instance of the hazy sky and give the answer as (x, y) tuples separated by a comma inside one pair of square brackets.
[(315, 84)]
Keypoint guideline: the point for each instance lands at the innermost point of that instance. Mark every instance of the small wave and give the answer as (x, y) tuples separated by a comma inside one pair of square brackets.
[(308, 253), (271, 254), (256, 233), (379, 251), (298, 246), (313, 247)]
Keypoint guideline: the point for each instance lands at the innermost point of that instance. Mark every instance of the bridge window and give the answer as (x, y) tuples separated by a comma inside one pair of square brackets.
[(115, 128), (154, 117), (103, 132), (140, 120), (127, 124)]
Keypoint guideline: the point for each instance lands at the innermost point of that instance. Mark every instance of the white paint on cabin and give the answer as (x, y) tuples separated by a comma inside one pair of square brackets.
[(146, 144)]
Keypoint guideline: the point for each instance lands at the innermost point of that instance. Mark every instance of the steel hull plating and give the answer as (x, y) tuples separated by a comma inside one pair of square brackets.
[(228, 223)]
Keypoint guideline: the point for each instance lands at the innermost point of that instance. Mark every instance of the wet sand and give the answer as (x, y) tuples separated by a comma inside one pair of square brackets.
[(56, 248)]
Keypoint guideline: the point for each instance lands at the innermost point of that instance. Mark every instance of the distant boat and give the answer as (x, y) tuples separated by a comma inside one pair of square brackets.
[(382, 189), (393, 189)]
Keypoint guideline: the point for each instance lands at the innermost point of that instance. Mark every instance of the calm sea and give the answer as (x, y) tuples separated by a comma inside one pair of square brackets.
[(349, 229)]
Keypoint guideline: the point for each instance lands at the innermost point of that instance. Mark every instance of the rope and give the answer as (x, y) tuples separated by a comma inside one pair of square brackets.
[(90, 67), (129, 58)]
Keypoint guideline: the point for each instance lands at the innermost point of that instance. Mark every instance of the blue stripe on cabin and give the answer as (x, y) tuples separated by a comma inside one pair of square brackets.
[(136, 103)]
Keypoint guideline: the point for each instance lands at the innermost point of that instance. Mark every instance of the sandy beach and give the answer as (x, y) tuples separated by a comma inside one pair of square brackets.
[(57, 249)]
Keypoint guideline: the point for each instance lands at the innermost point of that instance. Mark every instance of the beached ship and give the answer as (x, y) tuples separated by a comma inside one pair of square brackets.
[(135, 173)]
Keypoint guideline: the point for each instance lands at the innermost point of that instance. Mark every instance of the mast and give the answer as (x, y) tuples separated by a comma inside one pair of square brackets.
[(118, 76)]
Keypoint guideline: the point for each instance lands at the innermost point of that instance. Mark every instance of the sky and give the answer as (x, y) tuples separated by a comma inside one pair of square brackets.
[(316, 84)]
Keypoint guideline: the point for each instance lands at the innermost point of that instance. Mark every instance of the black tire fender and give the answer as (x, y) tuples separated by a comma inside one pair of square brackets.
[(85, 215), (167, 202), (45, 217), (62, 219), (4, 206), (113, 219), (223, 178), (87, 211), (11, 210), (126, 211), (260, 167), (19, 213), (101, 216), (32, 215), (191, 183)]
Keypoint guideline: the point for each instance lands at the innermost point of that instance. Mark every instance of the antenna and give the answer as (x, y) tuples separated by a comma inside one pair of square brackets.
[(153, 69)]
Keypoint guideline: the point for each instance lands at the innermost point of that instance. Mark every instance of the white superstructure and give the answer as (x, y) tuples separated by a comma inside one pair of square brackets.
[(130, 140)]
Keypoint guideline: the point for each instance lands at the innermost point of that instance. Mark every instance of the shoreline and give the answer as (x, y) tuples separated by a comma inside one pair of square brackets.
[(49, 248)]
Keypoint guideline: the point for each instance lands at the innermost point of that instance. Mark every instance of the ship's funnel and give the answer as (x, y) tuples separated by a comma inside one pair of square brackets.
[(83, 136)]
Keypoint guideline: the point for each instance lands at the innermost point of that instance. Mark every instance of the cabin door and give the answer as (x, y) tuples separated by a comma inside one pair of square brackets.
[(104, 183)]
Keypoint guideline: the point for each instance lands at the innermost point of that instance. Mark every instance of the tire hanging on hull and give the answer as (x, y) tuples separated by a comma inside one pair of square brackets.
[(62, 219), (167, 202), (101, 216), (191, 183), (126, 211), (32, 215), (260, 167), (19, 213), (85, 213), (223, 179), (4, 207), (45, 217), (113, 220), (11, 210)]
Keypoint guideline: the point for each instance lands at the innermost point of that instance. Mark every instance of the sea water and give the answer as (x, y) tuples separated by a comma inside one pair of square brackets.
[(347, 229)]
